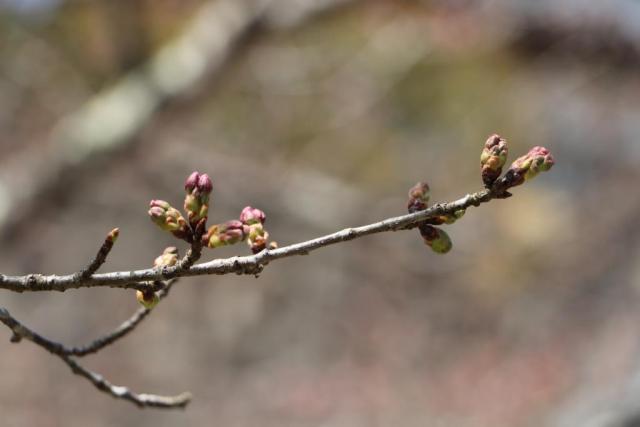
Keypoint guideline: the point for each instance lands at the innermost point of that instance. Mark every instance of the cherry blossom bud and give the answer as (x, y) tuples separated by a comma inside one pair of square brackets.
[(196, 202), (228, 233), (251, 215), (169, 219), (257, 238), (537, 160), (168, 258), (492, 159), (148, 299)]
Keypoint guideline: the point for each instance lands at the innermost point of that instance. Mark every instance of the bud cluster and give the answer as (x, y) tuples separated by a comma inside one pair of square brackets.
[(198, 187), (433, 237), (249, 227), (196, 202), (169, 219), (494, 157)]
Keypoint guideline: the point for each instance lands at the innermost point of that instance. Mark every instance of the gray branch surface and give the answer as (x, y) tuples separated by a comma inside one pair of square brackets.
[(253, 264)]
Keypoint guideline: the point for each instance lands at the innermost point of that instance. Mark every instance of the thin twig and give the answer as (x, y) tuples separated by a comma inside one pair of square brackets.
[(125, 328), (251, 264), (119, 392), (141, 400), (101, 256)]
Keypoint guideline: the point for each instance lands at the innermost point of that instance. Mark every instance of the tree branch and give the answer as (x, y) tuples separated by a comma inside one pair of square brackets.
[(141, 400), (125, 327), (252, 264)]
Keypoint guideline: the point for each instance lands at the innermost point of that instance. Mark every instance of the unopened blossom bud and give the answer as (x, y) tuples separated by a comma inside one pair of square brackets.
[(148, 299), (537, 160), (251, 215), (228, 233), (169, 219), (418, 197), (196, 202), (257, 238), (168, 258), (492, 159), (113, 235), (437, 239)]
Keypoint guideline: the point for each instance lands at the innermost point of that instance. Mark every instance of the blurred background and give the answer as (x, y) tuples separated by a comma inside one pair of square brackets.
[(323, 113)]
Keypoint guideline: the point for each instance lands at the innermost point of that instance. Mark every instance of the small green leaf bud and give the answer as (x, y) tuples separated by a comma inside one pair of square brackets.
[(169, 219), (148, 299), (168, 258), (228, 233), (437, 239), (257, 238)]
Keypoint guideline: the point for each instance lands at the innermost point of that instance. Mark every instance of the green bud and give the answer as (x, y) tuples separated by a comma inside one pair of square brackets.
[(147, 299), (169, 219), (168, 258), (437, 239), (257, 238), (228, 233)]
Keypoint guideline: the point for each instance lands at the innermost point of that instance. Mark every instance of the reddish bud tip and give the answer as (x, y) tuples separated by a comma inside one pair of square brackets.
[(192, 181), (526, 167), (204, 184), (251, 215), (418, 197)]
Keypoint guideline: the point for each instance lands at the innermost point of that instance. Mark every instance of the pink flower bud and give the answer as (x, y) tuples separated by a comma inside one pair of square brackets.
[(192, 181), (196, 202), (526, 167), (251, 215), (205, 186)]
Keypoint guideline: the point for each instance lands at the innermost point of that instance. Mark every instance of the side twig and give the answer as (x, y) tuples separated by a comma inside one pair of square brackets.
[(101, 256), (124, 329), (142, 400)]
